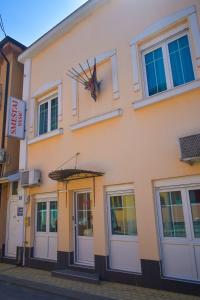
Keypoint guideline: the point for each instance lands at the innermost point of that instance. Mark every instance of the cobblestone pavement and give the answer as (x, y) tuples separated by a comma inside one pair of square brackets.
[(106, 289)]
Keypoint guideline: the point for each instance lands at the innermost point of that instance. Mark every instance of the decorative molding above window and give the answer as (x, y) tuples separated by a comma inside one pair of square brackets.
[(45, 88), (120, 188), (188, 15), (99, 59), (97, 119)]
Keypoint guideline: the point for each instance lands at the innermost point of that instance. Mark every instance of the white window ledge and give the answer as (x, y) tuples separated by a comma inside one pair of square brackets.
[(166, 94), (97, 119), (45, 136)]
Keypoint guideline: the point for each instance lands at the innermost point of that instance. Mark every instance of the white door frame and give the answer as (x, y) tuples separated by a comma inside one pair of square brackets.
[(47, 200), (190, 240), (11, 198), (75, 235), (111, 237)]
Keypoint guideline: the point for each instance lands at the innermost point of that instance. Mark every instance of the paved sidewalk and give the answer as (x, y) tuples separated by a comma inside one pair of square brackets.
[(42, 280)]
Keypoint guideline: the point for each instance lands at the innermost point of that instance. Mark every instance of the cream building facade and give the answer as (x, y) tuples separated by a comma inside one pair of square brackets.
[(120, 189)]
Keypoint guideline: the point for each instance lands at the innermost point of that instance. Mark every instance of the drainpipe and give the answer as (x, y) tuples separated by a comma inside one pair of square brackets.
[(5, 99), (5, 110)]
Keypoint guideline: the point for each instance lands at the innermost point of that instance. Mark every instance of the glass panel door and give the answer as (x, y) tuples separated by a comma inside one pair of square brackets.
[(178, 253), (46, 230), (84, 228), (173, 222), (124, 252), (41, 216), (53, 216), (123, 215), (194, 198), (84, 215)]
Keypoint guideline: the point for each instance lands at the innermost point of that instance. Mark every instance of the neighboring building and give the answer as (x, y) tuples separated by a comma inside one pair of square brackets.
[(11, 82), (127, 206)]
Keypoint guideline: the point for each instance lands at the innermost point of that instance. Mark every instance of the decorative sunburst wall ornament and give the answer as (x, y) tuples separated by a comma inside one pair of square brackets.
[(90, 83)]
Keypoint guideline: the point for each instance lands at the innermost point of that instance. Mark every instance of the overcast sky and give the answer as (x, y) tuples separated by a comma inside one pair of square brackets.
[(27, 20)]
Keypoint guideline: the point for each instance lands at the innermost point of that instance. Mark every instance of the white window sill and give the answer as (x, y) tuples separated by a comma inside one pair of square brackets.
[(46, 136), (166, 94), (96, 119)]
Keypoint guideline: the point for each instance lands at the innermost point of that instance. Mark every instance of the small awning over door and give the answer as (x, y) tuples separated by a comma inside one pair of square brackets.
[(73, 174), (14, 177), (11, 177)]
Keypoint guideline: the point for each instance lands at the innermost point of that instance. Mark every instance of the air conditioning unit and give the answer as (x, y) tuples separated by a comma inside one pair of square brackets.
[(190, 148), (30, 178), (2, 156)]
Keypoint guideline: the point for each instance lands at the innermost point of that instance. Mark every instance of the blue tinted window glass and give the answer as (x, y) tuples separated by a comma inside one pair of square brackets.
[(173, 46), (180, 60), (155, 72), (54, 114), (157, 53), (149, 57), (187, 65), (43, 118), (183, 41), (161, 80), (177, 73), (151, 79)]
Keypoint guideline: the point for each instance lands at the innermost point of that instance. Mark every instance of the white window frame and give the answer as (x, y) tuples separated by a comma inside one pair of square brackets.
[(11, 190), (166, 60), (116, 236), (47, 201), (48, 99), (42, 93), (155, 33)]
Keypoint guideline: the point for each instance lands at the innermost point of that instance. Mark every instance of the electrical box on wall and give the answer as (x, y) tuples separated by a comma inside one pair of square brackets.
[(190, 148), (30, 178)]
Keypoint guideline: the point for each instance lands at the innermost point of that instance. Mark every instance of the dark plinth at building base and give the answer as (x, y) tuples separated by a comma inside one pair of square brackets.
[(151, 273), (32, 262), (3, 250), (64, 259), (105, 273), (150, 277)]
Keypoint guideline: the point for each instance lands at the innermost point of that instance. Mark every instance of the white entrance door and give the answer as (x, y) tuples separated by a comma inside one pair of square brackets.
[(124, 249), (83, 208), (46, 229), (179, 215), (13, 222), (12, 229)]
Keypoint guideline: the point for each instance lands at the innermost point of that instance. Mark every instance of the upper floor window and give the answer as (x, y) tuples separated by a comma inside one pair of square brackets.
[(166, 58), (14, 188), (48, 115), (168, 65)]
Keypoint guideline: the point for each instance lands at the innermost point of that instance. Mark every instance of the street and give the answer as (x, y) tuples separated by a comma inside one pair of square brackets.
[(13, 292)]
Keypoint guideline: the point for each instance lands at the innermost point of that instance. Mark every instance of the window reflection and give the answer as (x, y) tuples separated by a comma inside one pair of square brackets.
[(53, 215), (172, 214), (84, 214), (41, 216), (195, 210), (123, 215)]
